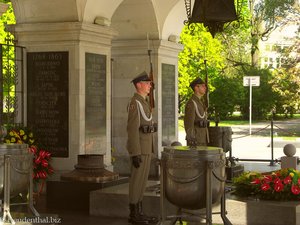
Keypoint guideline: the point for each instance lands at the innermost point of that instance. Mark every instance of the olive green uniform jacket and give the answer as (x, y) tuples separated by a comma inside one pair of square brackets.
[(192, 120), (138, 143)]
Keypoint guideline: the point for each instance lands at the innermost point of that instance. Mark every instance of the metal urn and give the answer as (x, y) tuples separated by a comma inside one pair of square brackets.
[(193, 178)]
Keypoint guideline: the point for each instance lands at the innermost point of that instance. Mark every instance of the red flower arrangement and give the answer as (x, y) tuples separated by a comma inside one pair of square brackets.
[(280, 185), (41, 160)]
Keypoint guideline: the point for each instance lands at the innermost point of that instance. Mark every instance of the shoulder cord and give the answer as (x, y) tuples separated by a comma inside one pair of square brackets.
[(141, 110), (197, 111)]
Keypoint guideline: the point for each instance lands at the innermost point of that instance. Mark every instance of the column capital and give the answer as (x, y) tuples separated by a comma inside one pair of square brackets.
[(64, 32)]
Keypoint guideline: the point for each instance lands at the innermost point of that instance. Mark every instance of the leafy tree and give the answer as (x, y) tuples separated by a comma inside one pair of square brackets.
[(256, 23), (286, 82), (198, 47), (8, 64), (227, 95), (266, 15), (7, 18), (287, 87), (237, 41)]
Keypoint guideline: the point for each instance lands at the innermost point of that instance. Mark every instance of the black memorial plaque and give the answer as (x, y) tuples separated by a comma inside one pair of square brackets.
[(95, 101), (168, 101), (48, 100)]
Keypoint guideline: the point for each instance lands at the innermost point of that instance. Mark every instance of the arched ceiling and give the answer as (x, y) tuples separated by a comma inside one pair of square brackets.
[(173, 23), (133, 19)]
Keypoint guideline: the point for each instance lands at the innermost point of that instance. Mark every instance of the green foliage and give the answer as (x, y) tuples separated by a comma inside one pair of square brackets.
[(227, 95), (272, 11), (8, 62), (242, 184), (230, 57), (285, 81), (236, 39), (263, 97), (198, 46), (265, 17), (286, 85), (226, 55), (7, 18)]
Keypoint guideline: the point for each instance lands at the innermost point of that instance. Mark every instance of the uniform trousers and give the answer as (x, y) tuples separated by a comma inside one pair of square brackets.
[(138, 180)]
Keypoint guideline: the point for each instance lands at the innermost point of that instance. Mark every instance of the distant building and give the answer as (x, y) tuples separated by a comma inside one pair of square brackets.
[(271, 50)]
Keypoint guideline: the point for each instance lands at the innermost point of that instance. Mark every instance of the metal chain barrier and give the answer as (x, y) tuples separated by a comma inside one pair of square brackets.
[(252, 133), (285, 131), (272, 161)]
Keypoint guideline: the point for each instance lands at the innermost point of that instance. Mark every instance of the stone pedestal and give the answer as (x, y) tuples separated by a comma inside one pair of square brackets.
[(72, 190), (74, 195), (273, 213), (90, 168), (234, 171), (289, 162)]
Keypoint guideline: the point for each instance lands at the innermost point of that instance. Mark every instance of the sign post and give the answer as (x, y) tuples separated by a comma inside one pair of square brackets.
[(251, 81)]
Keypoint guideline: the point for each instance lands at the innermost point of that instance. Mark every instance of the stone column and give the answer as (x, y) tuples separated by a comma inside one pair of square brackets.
[(86, 49), (129, 59)]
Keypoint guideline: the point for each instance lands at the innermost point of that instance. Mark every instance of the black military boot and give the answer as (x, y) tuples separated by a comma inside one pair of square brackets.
[(134, 216), (150, 219)]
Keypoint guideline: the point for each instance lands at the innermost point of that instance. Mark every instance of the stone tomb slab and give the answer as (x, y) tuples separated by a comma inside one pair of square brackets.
[(74, 195)]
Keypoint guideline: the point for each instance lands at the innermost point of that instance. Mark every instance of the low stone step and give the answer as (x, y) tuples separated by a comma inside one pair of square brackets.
[(74, 195), (113, 201)]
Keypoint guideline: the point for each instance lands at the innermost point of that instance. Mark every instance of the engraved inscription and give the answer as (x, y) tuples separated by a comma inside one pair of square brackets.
[(95, 102), (168, 101), (48, 100)]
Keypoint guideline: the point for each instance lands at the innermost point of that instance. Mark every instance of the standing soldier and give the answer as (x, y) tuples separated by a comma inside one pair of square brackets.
[(140, 129), (195, 118)]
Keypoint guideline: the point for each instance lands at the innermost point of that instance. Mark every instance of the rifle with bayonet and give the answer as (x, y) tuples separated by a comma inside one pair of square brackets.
[(151, 76), (206, 99)]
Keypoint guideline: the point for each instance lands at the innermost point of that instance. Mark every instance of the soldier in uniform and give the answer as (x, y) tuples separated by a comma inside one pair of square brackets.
[(140, 129), (195, 118)]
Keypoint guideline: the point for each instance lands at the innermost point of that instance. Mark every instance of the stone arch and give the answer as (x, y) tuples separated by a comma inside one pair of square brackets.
[(174, 21), (135, 19), (118, 30)]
